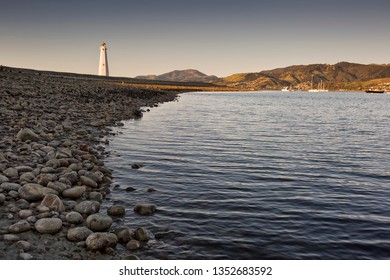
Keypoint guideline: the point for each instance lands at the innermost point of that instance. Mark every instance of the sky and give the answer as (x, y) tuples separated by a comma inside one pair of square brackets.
[(216, 37)]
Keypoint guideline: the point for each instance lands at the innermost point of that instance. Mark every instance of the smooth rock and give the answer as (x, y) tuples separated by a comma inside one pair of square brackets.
[(11, 172), (74, 218), (11, 237), (74, 193), (24, 245), (34, 192), (24, 168), (53, 202), (27, 177), (2, 198), (99, 222), (71, 176), (78, 234), (19, 227), (116, 210), (97, 196), (57, 186), (27, 134), (141, 234), (3, 179), (44, 179), (13, 194), (101, 241), (95, 176), (88, 182), (10, 186), (87, 207), (24, 214), (124, 234), (145, 209), (26, 256), (42, 208), (133, 245), (48, 225)]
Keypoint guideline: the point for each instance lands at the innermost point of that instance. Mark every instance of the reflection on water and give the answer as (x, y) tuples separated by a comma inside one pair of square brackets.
[(260, 176)]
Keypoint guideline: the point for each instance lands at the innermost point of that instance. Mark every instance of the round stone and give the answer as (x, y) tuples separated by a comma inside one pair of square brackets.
[(124, 234), (116, 210), (74, 218), (133, 245), (27, 134), (97, 196), (87, 207), (53, 202), (141, 234), (24, 245), (78, 234), (48, 225), (24, 214), (11, 172), (99, 222), (74, 193), (88, 182), (145, 209), (2, 198), (19, 227), (34, 192), (101, 241)]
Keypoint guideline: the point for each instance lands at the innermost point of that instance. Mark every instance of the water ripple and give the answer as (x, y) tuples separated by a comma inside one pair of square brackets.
[(260, 176)]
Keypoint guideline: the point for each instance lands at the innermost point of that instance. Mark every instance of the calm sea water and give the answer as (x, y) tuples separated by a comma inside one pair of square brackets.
[(259, 175)]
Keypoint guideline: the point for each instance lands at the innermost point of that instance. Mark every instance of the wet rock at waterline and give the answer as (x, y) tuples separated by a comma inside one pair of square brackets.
[(145, 209), (99, 222), (101, 241), (52, 173)]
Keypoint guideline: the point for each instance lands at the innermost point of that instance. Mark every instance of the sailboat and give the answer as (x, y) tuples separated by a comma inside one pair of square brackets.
[(322, 88), (311, 86)]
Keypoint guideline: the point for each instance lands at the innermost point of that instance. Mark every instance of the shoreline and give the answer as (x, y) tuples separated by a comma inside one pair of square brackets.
[(52, 172)]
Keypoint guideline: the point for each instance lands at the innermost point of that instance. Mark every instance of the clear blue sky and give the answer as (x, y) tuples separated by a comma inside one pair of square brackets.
[(214, 36)]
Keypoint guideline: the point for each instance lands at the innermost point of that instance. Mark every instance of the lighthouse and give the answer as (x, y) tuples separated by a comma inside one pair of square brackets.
[(103, 64)]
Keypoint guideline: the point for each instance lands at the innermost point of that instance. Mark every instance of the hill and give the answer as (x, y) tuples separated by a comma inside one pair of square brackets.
[(189, 75), (340, 76)]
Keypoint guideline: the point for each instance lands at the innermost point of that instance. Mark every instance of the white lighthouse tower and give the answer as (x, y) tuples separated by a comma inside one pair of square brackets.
[(103, 64)]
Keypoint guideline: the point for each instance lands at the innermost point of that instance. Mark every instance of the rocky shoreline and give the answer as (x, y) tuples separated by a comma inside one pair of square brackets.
[(53, 132)]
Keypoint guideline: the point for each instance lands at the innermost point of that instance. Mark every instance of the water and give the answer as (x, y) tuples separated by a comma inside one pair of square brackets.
[(266, 175)]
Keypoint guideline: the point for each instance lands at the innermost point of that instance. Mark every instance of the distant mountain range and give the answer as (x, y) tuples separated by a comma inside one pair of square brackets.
[(340, 76), (189, 75)]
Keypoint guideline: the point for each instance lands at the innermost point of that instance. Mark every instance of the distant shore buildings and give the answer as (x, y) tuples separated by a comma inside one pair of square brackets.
[(103, 63)]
